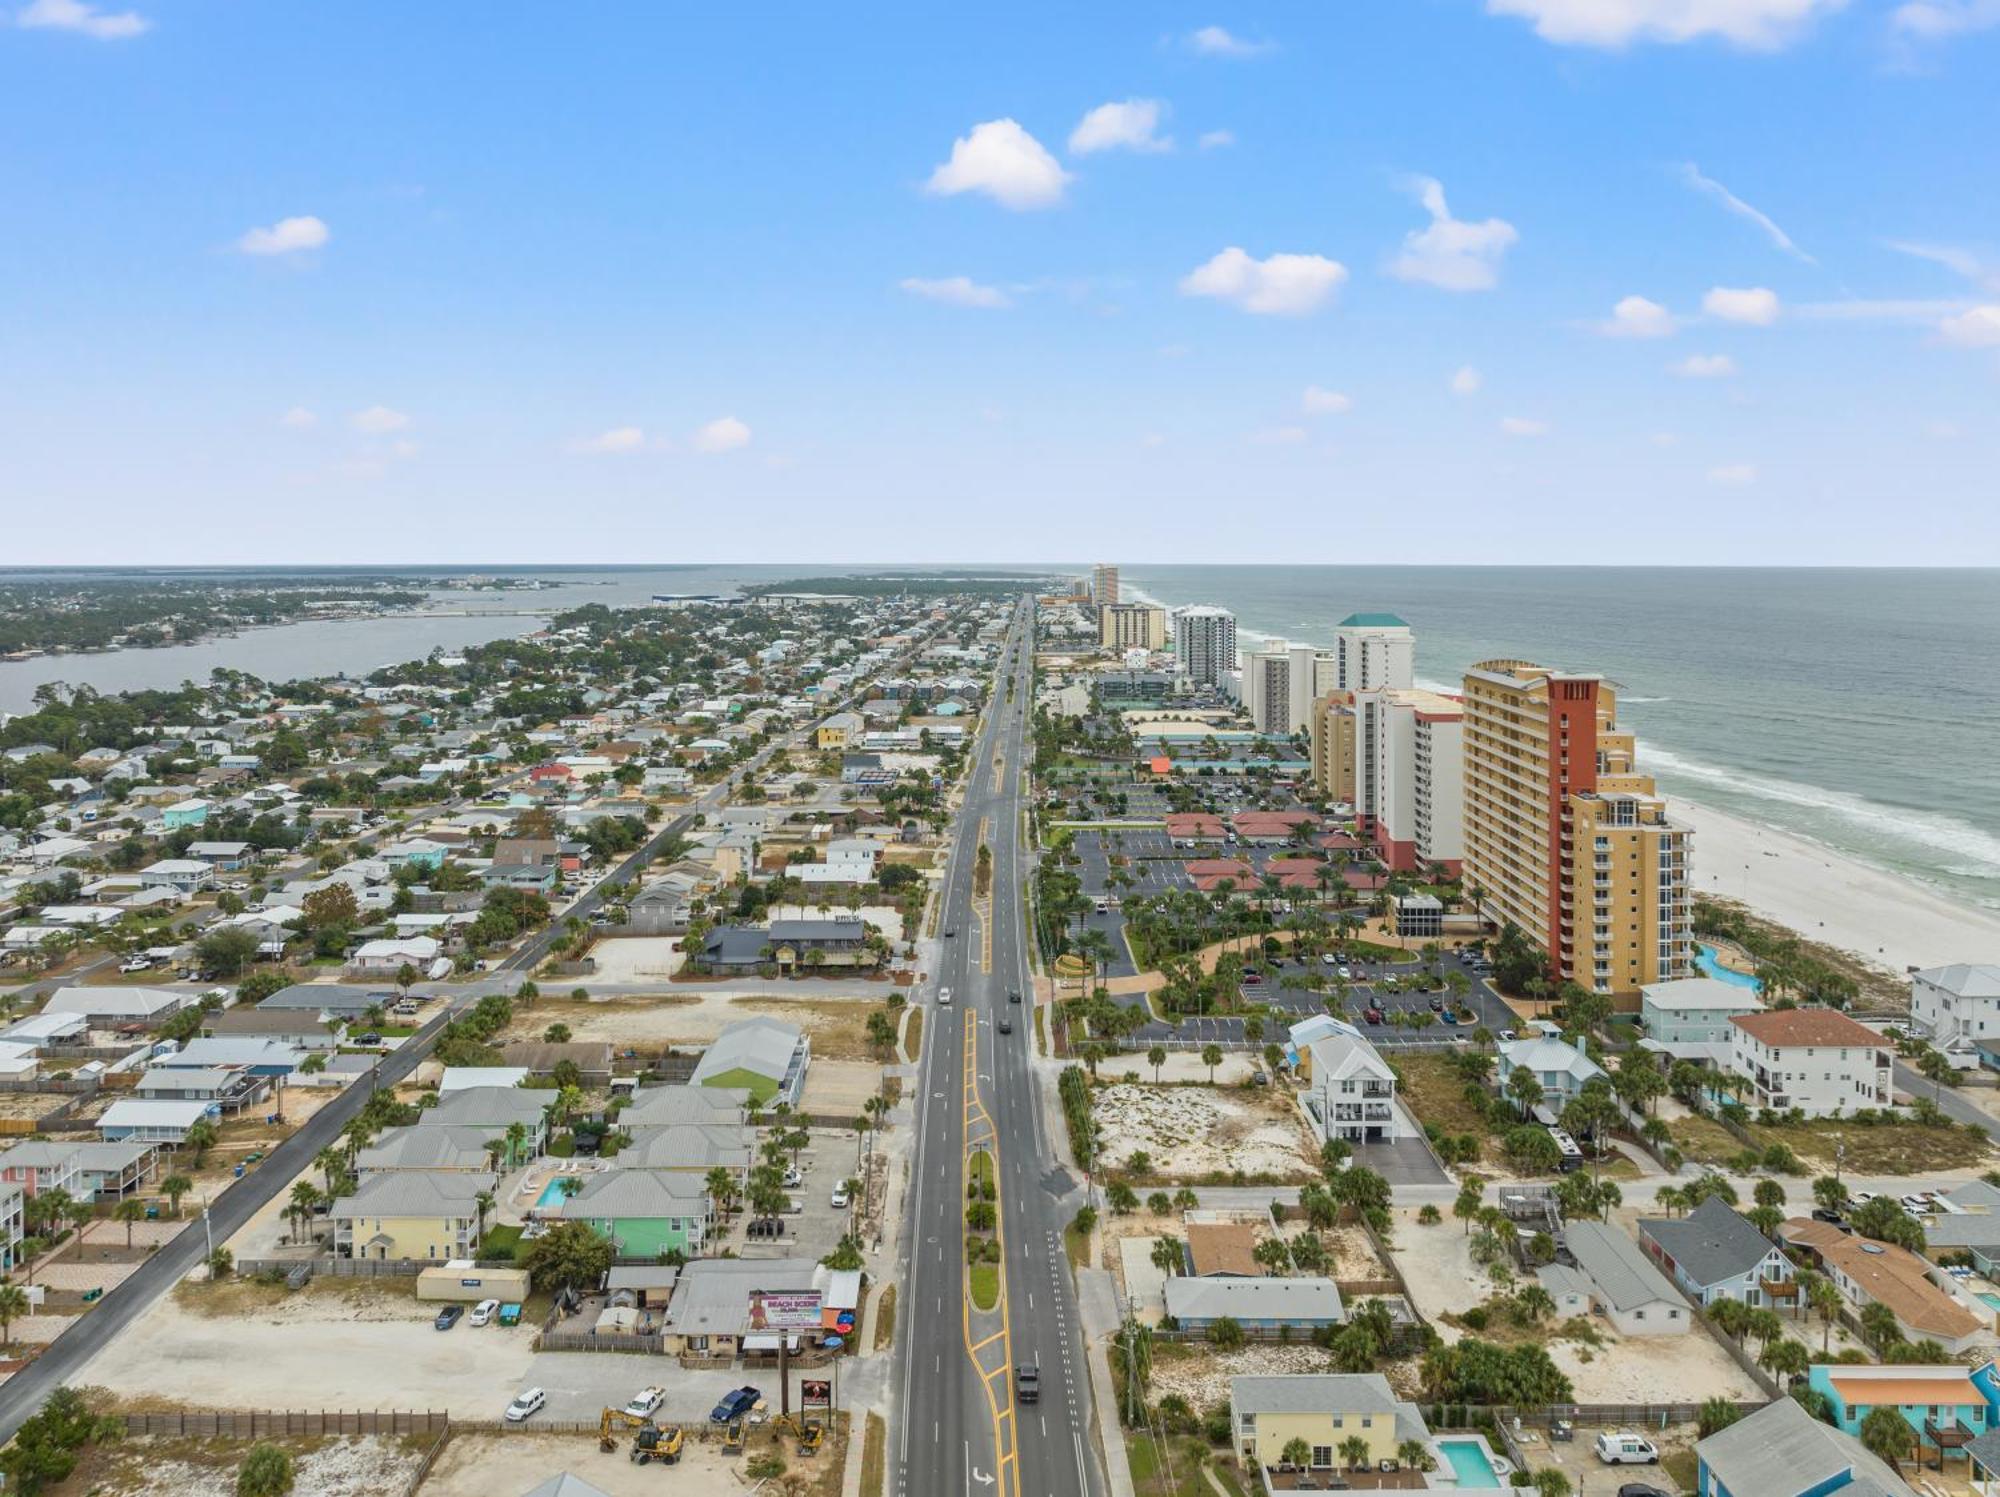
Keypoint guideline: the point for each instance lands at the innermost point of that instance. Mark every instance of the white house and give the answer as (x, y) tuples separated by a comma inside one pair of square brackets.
[(151, 1121), (1616, 1278), (1350, 1092), (109, 1005), (1813, 1059), (1559, 1066), (1957, 1005), (187, 875)]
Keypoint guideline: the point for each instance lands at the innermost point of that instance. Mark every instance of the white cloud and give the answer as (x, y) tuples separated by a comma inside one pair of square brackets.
[(286, 237), (377, 420), (1733, 475), (1213, 41), (1934, 20), (1637, 317), (1755, 305), (1006, 163), (298, 418), (1691, 174), (1320, 402), (1521, 426), (1704, 366), (1282, 285), (1279, 436), (957, 291), (1759, 24), (1977, 328), (1216, 140), (725, 434), (1132, 125), (1451, 254), (75, 15), (617, 439), (1466, 381), (1981, 272)]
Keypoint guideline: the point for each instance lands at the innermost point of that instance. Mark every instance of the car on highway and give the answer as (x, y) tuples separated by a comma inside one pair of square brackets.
[(526, 1404), (950, 931), (1028, 1383), (944, 997), (735, 1405), (1013, 995), (449, 1316), (1006, 1025), (645, 1401)]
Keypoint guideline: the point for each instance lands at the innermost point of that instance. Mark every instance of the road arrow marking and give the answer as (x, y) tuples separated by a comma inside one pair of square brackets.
[(981, 1477)]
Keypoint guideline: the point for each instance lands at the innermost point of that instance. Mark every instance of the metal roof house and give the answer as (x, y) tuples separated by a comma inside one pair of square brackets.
[(1624, 1286), (1254, 1304), (1782, 1451), (766, 1057)]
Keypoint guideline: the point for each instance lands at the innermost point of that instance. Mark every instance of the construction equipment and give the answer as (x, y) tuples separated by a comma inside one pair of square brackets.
[(656, 1444), (732, 1438), (613, 1420), (810, 1433)]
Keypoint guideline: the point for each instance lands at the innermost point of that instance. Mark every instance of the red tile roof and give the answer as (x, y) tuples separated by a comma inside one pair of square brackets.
[(1807, 1026)]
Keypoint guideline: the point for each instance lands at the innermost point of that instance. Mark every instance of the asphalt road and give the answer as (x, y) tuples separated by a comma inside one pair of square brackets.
[(960, 1428)]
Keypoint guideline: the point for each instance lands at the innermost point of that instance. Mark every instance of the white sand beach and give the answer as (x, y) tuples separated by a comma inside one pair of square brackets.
[(1894, 922)]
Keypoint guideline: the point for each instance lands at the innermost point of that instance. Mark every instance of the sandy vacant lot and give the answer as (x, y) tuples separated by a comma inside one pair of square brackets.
[(500, 1465), (837, 1025), (342, 1344), (1201, 1375), (637, 958), (360, 1467), (1193, 1132)]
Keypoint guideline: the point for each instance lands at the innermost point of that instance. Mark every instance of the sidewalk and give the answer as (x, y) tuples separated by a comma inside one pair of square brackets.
[(1097, 1303)]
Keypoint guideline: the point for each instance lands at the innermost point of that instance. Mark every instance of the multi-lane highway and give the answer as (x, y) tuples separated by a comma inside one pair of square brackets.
[(960, 1425)]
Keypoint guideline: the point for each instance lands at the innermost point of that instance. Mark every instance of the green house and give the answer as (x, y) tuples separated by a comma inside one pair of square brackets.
[(645, 1212)]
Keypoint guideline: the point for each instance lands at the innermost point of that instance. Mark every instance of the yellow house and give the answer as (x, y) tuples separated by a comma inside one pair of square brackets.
[(1324, 1411), (428, 1215), (839, 731)]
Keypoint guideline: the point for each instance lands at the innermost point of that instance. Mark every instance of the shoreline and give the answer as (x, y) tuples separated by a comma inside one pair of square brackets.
[(1889, 920)]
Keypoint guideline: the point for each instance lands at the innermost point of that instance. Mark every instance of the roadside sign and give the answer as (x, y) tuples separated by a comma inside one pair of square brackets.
[(786, 1310), (816, 1393)]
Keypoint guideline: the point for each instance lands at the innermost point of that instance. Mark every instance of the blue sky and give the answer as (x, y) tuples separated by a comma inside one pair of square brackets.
[(1453, 280)]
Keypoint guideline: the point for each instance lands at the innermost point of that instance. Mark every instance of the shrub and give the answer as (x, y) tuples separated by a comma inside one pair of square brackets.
[(266, 1472)]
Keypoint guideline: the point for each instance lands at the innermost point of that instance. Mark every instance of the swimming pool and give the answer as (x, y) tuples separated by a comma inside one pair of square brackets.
[(1469, 1461), (552, 1193), (1991, 1299), (1704, 958)]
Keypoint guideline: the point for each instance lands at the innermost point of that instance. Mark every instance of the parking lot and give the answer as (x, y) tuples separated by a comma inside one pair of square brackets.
[(581, 1385)]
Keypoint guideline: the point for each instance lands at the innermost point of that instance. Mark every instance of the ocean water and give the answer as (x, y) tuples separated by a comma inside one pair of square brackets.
[(1860, 708)]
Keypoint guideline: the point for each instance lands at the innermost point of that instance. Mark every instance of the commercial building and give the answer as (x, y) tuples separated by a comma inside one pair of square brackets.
[(1104, 585), (1267, 689), (1373, 651), (1813, 1059), (1563, 837), (1409, 776), (1205, 644), (1131, 626)]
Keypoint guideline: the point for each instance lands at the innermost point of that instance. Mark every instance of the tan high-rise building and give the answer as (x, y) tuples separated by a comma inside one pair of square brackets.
[(1333, 736), (1104, 585), (1564, 837), (1132, 626)]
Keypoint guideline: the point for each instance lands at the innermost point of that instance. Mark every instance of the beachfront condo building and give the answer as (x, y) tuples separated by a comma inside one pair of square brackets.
[(1333, 736), (1563, 837), (1131, 626), (1205, 645), (1104, 585), (1409, 777), (1281, 682), (1373, 650)]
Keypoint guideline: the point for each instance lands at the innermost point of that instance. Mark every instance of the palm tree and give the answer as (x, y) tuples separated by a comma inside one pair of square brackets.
[(721, 1187), (328, 1160), (13, 1306), (200, 1137), (130, 1211), (1156, 1056), (300, 1204), (1354, 1450), (1167, 1256), (483, 1204), (173, 1188), (1211, 1056), (517, 1142)]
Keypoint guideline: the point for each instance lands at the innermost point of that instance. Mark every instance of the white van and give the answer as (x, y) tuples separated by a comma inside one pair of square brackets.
[(1623, 1448)]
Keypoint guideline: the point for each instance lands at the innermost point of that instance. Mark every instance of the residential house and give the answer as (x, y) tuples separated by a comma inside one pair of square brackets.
[(1350, 1091), (1782, 1451), (428, 1214), (496, 1109), (134, 1118), (37, 1166), (1688, 1017), (840, 731), (766, 1057), (1304, 1303), (644, 1212), (1618, 1279), (1559, 1066), (1325, 1410), (1957, 1005), (229, 1090), (182, 875), (540, 1058), (837, 942), (183, 813), (691, 1148), (1714, 1254), (1869, 1272), (1968, 1221), (103, 1006), (253, 1055), (225, 857), (300, 1029), (383, 960), (13, 1226), (665, 1106), (528, 878), (1947, 1406), (462, 1150), (1223, 1250), (92, 1171), (1816, 1060)]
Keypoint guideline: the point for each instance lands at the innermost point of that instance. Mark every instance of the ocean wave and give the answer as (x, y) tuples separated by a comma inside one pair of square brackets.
[(1626, 700), (1972, 852)]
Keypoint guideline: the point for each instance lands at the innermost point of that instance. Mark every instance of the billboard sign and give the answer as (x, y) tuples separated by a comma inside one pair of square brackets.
[(816, 1393), (784, 1310)]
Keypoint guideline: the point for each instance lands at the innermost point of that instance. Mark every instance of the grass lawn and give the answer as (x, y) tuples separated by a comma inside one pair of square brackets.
[(885, 1319), (913, 1033), (1433, 1089), (874, 1455), (500, 1242), (1679, 1466), (1077, 1245), (985, 1278), (1184, 1454)]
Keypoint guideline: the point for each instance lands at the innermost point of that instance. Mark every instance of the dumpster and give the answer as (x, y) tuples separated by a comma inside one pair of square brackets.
[(510, 1315)]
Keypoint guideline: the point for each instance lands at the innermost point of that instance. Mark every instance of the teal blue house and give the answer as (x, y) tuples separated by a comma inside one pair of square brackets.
[(1947, 1405), (184, 813)]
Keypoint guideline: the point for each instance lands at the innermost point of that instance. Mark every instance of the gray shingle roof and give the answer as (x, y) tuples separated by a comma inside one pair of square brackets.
[(639, 1193), (415, 1193), (1782, 1451), (1709, 1244)]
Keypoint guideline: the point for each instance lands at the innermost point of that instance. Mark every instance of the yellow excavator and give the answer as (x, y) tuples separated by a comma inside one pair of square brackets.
[(810, 1432), (650, 1442)]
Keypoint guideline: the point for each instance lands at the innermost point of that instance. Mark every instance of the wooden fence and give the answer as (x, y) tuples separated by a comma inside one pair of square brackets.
[(251, 1424), (343, 1268), (626, 1341)]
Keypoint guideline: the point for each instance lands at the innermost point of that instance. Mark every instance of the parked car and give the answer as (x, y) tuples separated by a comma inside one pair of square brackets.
[(483, 1312), (794, 1179), (840, 1197), (1372, 1014), (449, 1316), (764, 1226), (735, 1405), (135, 964), (646, 1400), (1640, 1489), (526, 1403), (1623, 1448)]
